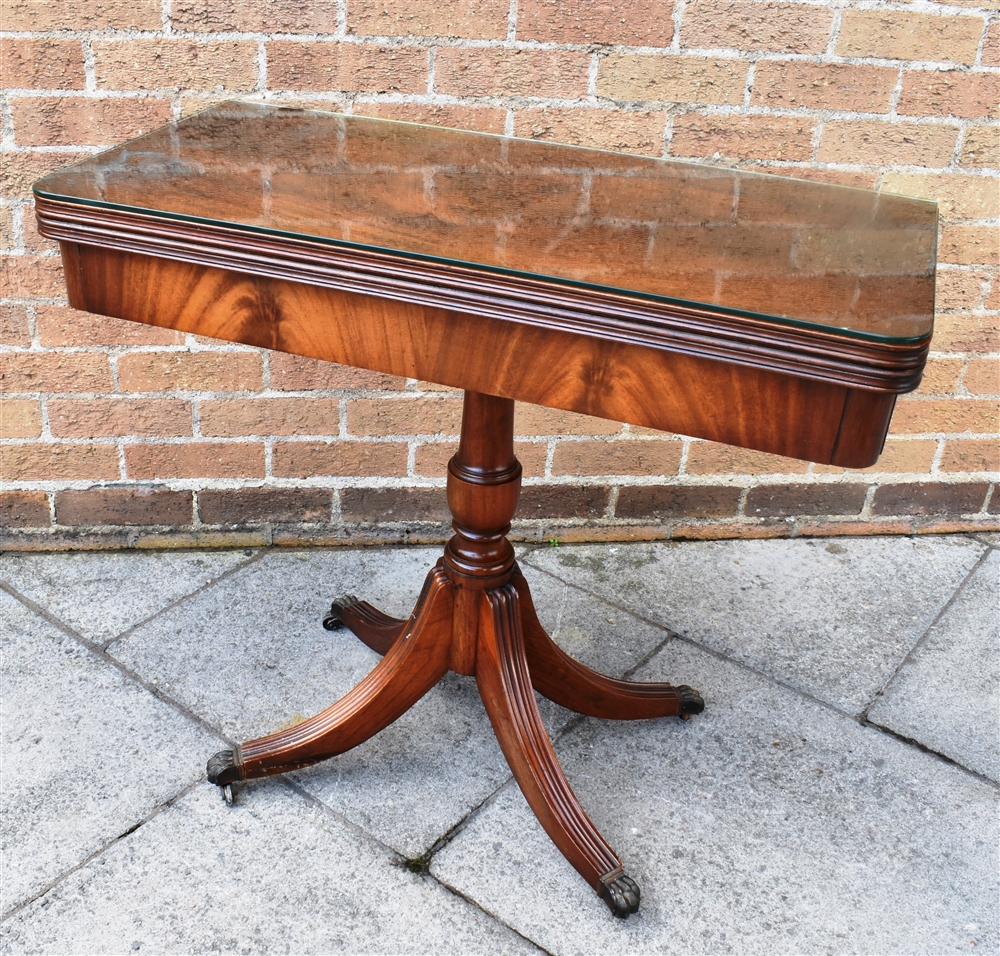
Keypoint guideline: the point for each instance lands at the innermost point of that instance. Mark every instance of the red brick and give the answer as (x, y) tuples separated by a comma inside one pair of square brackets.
[(971, 454), (34, 241), (934, 93), (662, 502), (786, 138), (338, 459), (8, 242), (23, 15), (617, 458), (42, 64), (982, 377), (19, 170), (674, 79), (196, 460), (254, 16), (123, 506), (711, 458), (991, 46), (292, 373), (966, 332), (826, 86), (20, 418), (394, 504), (639, 131), (189, 371), (957, 196), (14, 328), (626, 22), (958, 289), (929, 498), (24, 509), (777, 501), (246, 505), (432, 458), (346, 66), (887, 144), (562, 501), (61, 325), (940, 376), (980, 147), (54, 372), (896, 35), (968, 245), (898, 455), (48, 462), (85, 121), (483, 119), (166, 418), (915, 415), (537, 420), (494, 71), (993, 299), (219, 65), (28, 275), (777, 27), (474, 19), (416, 416), (270, 416)]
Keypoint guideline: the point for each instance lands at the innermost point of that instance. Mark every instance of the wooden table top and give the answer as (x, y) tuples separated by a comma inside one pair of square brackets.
[(821, 282)]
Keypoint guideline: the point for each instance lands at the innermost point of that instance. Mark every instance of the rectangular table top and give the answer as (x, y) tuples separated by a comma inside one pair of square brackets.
[(823, 256)]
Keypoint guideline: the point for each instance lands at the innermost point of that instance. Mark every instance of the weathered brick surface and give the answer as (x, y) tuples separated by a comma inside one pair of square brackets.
[(85, 121), (20, 418), (930, 498), (109, 417), (346, 66), (472, 19), (778, 501), (632, 23), (671, 79), (899, 35), (878, 95), (774, 27), (250, 505), (43, 64), (661, 502), (124, 506), (24, 509)]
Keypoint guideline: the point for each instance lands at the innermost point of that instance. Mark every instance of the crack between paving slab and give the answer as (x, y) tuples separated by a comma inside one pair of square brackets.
[(923, 637), (156, 811), (860, 718), (98, 651), (253, 559), (423, 869)]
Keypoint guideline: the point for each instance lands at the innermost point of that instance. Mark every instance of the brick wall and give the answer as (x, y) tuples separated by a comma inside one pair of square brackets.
[(120, 435)]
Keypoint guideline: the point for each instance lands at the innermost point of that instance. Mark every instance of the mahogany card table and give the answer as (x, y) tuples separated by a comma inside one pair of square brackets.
[(761, 311)]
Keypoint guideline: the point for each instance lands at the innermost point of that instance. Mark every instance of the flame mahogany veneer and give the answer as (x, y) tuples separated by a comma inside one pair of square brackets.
[(766, 313)]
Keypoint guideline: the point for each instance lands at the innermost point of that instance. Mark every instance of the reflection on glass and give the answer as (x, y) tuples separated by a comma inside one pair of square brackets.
[(808, 252)]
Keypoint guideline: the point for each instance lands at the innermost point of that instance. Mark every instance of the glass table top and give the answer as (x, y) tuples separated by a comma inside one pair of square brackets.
[(806, 253)]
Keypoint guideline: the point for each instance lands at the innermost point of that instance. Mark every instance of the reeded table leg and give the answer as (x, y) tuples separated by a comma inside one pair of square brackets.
[(377, 630)]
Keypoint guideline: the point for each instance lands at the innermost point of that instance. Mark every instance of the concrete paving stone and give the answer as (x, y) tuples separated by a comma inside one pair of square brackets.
[(275, 873), (769, 824), (833, 618), (86, 753), (946, 695), (250, 656), (102, 594)]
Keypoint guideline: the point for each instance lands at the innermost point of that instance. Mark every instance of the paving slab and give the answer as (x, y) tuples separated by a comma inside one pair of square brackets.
[(769, 824), (101, 594), (86, 753), (250, 655), (276, 873), (946, 695), (831, 618)]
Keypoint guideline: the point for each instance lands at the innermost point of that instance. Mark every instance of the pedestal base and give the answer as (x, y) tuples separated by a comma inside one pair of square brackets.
[(475, 616)]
